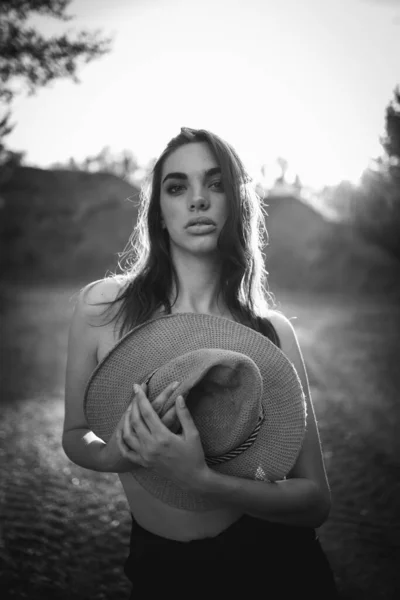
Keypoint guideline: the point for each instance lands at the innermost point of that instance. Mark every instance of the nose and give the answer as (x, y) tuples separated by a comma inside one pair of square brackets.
[(199, 200)]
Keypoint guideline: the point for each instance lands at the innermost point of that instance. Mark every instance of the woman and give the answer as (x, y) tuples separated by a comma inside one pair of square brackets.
[(213, 268)]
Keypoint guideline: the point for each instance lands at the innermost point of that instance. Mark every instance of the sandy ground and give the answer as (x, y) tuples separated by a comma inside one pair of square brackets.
[(64, 530)]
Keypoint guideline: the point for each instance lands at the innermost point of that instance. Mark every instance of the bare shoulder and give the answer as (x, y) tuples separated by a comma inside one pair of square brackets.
[(103, 290), (95, 297), (290, 344), (284, 329)]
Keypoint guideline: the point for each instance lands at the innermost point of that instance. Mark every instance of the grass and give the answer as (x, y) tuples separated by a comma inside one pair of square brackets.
[(65, 530)]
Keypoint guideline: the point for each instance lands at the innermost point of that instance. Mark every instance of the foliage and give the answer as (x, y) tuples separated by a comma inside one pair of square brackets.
[(373, 207), (391, 141), (28, 60), (124, 165), (376, 208)]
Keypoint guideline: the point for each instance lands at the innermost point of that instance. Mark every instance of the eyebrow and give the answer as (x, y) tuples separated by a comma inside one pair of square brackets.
[(183, 176)]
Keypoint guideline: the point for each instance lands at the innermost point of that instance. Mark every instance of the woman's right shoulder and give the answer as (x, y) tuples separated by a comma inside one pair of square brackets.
[(94, 298)]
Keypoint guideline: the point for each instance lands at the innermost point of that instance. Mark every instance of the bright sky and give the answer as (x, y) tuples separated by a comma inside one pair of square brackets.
[(308, 80)]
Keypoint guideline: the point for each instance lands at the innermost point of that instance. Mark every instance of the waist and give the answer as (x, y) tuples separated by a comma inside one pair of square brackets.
[(170, 522), (246, 527)]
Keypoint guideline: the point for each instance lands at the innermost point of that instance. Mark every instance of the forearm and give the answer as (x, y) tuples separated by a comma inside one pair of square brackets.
[(290, 502), (85, 449)]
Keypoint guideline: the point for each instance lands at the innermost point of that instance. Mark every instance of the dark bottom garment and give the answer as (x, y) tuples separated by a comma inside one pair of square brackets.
[(251, 552)]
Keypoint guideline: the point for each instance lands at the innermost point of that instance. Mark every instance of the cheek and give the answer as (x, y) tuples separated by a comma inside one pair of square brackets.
[(171, 215), (224, 208), (165, 210), (173, 208)]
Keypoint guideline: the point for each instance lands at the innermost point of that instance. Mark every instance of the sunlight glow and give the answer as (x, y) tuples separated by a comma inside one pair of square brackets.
[(271, 79)]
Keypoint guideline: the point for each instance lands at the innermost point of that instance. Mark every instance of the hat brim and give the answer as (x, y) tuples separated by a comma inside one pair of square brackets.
[(154, 343)]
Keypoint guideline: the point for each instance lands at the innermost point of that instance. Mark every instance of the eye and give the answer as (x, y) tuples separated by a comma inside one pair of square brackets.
[(174, 189), (218, 185)]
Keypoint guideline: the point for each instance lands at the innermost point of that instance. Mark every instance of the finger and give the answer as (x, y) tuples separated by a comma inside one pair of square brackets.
[(160, 401), (122, 444), (126, 451), (143, 386), (170, 419), (128, 433), (136, 421), (149, 417), (185, 418)]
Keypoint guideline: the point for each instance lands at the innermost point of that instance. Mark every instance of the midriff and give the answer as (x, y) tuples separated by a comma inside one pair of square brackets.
[(170, 522)]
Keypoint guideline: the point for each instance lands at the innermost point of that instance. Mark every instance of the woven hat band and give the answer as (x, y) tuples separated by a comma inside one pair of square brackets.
[(219, 460)]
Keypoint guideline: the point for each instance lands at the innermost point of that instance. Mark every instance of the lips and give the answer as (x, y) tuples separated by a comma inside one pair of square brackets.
[(200, 221)]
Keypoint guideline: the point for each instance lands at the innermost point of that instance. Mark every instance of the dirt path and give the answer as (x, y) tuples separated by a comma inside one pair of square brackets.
[(64, 530), (352, 354)]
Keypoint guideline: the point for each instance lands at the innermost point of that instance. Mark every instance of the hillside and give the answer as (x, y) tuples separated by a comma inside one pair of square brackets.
[(62, 225), (305, 250)]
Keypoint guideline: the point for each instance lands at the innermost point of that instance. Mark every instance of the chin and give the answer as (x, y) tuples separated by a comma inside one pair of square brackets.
[(200, 246)]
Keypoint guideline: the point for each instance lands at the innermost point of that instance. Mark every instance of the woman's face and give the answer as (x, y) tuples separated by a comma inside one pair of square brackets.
[(191, 187)]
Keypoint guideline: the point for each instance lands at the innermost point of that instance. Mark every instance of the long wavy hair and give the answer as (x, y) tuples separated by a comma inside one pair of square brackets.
[(148, 272)]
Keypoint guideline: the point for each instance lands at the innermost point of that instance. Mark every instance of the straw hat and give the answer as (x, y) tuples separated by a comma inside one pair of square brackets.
[(243, 393)]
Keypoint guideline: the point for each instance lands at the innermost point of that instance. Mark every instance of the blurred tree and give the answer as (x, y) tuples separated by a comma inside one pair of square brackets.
[(297, 184), (124, 165), (29, 61), (284, 165), (373, 206), (72, 164), (391, 141), (376, 205), (340, 198)]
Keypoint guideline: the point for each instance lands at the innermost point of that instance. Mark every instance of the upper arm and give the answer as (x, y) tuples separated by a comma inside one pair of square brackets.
[(310, 462), (82, 348)]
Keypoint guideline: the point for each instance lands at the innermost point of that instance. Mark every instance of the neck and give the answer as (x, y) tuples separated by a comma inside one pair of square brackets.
[(198, 286)]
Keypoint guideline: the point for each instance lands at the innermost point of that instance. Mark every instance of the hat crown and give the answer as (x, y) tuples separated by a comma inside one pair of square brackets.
[(224, 391)]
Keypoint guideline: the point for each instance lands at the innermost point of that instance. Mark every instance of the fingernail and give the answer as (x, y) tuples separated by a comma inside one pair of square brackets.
[(181, 401), (175, 385), (136, 387)]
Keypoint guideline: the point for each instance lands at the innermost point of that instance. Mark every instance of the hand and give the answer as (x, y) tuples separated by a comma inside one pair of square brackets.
[(170, 418), (147, 441), (112, 455)]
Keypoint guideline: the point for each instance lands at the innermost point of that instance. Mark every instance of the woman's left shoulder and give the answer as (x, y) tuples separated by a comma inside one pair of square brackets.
[(284, 328)]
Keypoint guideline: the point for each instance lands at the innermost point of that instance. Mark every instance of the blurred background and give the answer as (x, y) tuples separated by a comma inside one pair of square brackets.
[(309, 95)]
